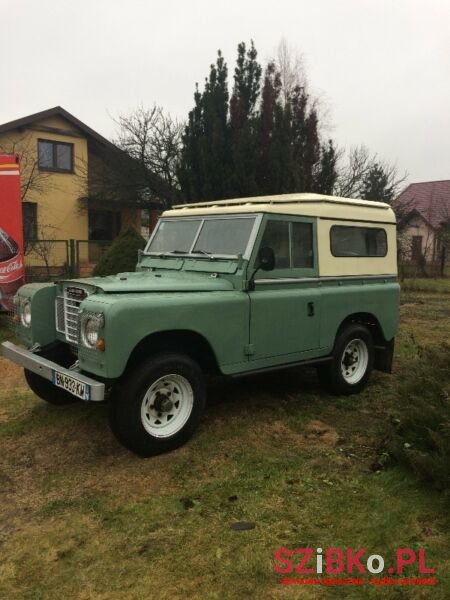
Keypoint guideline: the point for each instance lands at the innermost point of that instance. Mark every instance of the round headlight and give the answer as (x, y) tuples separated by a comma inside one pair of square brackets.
[(25, 314), (90, 326), (90, 332)]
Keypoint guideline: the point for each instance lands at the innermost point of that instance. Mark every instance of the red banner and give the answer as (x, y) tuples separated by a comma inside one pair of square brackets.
[(12, 271)]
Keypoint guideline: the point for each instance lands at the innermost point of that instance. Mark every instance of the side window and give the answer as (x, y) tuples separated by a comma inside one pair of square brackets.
[(276, 236), (302, 246), (292, 243), (357, 241)]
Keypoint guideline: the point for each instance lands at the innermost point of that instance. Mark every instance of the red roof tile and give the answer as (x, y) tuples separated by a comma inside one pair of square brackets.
[(430, 198)]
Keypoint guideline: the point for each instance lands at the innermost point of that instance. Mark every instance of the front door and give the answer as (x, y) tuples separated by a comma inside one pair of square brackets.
[(285, 304)]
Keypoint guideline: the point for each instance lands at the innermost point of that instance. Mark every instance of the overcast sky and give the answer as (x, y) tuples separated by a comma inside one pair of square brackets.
[(383, 66)]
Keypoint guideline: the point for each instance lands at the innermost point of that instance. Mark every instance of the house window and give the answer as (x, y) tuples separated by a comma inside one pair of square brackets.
[(104, 225), (55, 156), (357, 241), (29, 219), (416, 248)]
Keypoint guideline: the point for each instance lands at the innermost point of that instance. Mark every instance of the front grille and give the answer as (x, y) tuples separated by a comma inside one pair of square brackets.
[(60, 320), (68, 312)]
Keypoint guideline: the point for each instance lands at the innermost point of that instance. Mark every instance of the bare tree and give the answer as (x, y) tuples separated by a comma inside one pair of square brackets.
[(137, 169), (43, 247), (354, 168), (290, 64), (153, 138)]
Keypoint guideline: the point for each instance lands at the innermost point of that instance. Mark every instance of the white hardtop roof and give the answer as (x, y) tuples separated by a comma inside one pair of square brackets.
[(316, 205)]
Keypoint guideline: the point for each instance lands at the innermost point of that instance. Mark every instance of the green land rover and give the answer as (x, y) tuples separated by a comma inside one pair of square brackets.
[(230, 287)]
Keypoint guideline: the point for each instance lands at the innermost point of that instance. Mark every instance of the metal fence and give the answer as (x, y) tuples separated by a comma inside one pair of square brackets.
[(47, 260)]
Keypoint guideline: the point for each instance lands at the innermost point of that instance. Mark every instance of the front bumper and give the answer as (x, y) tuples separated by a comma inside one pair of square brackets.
[(46, 368)]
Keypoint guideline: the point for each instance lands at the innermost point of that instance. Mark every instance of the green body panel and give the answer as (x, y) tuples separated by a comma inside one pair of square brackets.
[(281, 323), (161, 281), (221, 318), (246, 331), (43, 330), (379, 297), (272, 325)]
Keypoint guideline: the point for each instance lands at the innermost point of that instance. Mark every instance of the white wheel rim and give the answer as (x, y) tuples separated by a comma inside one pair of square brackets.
[(167, 405), (354, 361)]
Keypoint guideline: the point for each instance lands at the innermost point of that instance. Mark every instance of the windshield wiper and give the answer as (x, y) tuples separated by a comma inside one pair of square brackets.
[(168, 253), (205, 253)]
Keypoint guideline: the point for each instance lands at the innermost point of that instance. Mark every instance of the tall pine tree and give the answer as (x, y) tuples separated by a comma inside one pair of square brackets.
[(262, 140), (325, 174), (205, 164), (243, 121)]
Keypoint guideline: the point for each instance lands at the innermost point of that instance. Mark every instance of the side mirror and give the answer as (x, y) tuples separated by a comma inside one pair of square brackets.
[(266, 259)]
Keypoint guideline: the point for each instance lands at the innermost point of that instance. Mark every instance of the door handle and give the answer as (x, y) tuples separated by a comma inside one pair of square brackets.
[(310, 309)]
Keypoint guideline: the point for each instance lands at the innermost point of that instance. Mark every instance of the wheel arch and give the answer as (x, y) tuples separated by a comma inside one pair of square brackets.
[(183, 341), (367, 319)]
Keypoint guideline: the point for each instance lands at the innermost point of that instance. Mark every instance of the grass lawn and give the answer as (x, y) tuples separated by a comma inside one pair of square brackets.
[(80, 517)]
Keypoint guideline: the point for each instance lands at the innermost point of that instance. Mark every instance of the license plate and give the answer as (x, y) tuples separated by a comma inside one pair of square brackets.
[(73, 386)]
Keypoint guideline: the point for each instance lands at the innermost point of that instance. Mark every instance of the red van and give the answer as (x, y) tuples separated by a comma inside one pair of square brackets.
[(12, 271)]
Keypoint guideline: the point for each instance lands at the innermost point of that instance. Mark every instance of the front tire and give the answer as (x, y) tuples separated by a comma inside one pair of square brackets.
[(349, 370), (47, 391), (157, 406)]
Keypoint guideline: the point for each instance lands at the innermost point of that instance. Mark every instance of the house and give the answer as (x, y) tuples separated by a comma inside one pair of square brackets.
[(62, 161), (423, 213)]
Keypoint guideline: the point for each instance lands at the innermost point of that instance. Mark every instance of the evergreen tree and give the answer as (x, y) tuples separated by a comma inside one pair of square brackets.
[(312, 150), (122, 255), (377, 184), (262, 140), (269, 104), (243, 121), (325, 175), (205, 164)]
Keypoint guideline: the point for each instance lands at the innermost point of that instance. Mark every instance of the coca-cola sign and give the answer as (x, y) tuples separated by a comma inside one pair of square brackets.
[(11, 270)]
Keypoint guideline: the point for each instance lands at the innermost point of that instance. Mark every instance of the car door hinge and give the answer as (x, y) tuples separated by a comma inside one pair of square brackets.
[(249, 349)]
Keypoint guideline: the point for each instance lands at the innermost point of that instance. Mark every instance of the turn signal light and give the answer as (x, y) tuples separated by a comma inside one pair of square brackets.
[(100, 345)]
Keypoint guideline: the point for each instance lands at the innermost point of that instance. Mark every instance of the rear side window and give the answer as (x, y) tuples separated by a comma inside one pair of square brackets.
[(358, 241)]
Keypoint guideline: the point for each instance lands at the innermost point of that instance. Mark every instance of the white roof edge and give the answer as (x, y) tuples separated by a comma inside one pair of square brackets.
[(303, 198)]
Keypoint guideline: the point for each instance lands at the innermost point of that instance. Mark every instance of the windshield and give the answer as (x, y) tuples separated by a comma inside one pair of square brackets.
[(209, 236)]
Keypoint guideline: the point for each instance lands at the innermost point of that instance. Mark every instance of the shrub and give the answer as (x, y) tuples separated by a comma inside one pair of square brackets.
[(122, 255), (422, 438)]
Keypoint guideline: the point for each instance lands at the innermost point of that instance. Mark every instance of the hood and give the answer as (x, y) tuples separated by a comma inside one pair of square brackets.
[(156, 282)]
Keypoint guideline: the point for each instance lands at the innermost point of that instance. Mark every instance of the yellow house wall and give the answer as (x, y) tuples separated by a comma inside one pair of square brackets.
[(56, 194), (59, 216)]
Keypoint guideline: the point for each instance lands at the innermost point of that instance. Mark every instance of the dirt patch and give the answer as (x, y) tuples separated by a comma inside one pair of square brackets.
[(321, 434), (11, 375)]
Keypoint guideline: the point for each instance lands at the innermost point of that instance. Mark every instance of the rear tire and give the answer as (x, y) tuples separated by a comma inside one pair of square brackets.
[(47, 391), (157, 406), (349, 370)]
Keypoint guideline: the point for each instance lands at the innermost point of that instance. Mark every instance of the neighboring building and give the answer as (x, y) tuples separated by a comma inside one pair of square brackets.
[(57, 152), (423, 212)]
